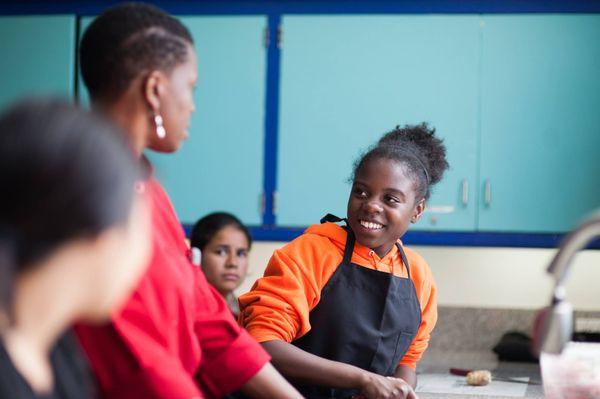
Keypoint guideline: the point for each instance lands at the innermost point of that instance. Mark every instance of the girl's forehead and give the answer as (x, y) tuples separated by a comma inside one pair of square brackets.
[(383, 167), (387, 174), (229, 233)]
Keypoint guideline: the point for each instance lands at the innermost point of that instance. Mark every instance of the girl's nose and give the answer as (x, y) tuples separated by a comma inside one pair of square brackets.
[(372, 207), (232, 262)]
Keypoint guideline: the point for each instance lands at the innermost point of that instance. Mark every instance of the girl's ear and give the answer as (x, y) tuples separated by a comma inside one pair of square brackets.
[(154, 87), (418, 211)]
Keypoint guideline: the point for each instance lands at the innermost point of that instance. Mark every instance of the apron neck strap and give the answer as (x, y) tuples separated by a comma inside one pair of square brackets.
[(333, 219), (404, 259), (349, 249), (350, 240)]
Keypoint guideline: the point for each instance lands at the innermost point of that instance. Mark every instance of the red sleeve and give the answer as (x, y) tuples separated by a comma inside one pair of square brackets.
[(175, 338), (231, 356), (133, 356)]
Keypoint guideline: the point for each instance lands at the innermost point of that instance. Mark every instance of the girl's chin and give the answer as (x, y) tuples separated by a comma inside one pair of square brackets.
[(227, 287)]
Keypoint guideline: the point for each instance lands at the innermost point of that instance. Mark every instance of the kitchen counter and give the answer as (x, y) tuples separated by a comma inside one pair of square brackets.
[(464, 338), (437, 363)]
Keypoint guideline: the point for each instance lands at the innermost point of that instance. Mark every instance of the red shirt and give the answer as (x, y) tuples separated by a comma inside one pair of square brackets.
[(176, 337)]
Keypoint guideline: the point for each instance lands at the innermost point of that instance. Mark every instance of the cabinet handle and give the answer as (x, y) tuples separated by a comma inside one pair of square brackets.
[(262, 204), (465, 192), (488, 192)]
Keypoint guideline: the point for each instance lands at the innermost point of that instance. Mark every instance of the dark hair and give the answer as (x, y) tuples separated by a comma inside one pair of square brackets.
[(205, 229), (127, 40), (416, 147), (65, 173)]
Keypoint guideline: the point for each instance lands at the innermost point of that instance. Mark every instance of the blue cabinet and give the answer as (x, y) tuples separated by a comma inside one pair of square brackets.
[(346, 80), (516, 98), (38, 56), (540, 122), (220, 166), (83, 97)]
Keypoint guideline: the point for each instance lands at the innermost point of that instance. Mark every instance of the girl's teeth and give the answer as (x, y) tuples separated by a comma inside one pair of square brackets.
[(370, 225)]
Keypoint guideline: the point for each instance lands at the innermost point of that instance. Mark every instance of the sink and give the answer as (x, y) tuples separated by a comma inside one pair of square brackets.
[(569, 369), (574, 373)]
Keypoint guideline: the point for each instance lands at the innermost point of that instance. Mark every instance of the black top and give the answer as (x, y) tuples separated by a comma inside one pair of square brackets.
[(71, 374)]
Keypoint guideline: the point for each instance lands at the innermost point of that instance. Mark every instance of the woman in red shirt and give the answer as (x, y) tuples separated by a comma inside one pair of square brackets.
[(175, 338)]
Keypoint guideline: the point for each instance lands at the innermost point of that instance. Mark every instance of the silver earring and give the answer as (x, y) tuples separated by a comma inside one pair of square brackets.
[(160, 129)]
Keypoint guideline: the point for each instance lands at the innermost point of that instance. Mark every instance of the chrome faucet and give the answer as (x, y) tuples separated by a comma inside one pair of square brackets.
[(554, 326)]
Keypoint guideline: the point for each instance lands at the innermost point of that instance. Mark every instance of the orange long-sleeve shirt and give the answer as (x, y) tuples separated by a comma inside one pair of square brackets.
[(278, 305)]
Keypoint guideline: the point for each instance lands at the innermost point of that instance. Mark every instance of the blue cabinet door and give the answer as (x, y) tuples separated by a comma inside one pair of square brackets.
[(540, 134), (83, 97), (38, 56), (346, 80), (220, 166)]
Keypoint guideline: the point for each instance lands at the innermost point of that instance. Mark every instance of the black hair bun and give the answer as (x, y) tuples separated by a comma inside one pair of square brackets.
[(421, 140)]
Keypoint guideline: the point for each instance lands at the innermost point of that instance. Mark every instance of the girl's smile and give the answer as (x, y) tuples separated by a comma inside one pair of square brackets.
[(382, 204)]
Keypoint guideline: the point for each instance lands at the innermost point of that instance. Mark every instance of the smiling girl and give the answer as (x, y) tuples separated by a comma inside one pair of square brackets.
[(349, 310)]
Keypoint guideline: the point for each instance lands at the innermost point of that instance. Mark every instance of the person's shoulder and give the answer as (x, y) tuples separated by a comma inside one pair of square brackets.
[(70, 367), (319, 237), (315, 249)]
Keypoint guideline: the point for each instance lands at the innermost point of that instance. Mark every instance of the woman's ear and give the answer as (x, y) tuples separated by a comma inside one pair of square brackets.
[(154, 87), (418, 211)]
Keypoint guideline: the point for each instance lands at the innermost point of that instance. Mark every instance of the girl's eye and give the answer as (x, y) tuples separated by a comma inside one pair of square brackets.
[(360, 193), (221, 252), (242, 253), (392, 200)]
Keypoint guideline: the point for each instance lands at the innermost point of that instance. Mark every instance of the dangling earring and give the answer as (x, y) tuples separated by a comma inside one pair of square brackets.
[(160, 129)]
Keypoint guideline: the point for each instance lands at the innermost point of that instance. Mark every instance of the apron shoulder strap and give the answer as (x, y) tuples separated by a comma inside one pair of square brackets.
[(333, 219), (350, 240), (404, 259), (349, 249)]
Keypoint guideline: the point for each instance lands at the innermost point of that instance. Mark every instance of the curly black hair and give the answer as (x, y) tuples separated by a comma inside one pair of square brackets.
[(127, 40), (418, 149)]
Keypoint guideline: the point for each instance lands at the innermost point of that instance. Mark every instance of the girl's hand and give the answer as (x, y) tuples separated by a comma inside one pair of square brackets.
[(375, 386)]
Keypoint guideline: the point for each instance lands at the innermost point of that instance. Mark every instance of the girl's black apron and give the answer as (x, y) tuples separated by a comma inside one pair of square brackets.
[(365, 317)]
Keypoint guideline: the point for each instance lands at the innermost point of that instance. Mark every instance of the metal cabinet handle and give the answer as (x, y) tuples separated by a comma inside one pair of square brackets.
[(465, 192), (262, 204), (488, 192)]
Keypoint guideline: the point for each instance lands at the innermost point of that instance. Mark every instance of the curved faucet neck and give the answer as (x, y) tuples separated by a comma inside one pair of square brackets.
[(575, 241)]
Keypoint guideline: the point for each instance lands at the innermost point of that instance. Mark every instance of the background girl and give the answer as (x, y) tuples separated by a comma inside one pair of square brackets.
[(224, 243)]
